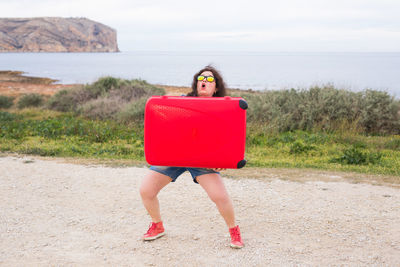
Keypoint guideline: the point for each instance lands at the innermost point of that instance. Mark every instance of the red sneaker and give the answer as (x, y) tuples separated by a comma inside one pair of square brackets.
[(155, 231), (236, 239)]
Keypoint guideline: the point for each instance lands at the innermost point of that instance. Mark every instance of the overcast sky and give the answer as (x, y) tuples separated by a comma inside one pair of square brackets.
[(228, 25)]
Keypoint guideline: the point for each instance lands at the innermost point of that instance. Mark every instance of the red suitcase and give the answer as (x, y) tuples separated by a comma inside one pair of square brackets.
[(204, 132)]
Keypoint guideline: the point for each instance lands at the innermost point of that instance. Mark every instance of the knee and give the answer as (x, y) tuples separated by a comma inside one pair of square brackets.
[(147, 193)]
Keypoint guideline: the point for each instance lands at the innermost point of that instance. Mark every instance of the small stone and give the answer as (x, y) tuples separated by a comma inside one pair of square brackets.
[(363, 238)]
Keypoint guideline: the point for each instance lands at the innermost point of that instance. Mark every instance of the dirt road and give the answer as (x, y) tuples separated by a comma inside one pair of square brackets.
[(57, 213)]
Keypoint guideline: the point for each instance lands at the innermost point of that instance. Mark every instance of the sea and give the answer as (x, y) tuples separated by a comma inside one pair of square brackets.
[(242, 70)]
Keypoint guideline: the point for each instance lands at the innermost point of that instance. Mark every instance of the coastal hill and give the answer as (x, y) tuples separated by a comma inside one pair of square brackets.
[(54, 34)]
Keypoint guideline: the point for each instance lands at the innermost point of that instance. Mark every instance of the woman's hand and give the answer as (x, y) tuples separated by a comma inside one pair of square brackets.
[(218, 169)]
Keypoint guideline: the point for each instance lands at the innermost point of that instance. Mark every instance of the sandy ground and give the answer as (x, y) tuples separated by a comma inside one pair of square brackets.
[(58, 213), (18, 89), (15, 83)]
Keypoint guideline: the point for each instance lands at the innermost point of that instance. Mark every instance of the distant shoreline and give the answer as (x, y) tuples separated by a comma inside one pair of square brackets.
[(16, 83)]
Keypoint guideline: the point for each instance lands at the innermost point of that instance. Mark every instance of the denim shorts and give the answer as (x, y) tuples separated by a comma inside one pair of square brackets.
[(174, 172)]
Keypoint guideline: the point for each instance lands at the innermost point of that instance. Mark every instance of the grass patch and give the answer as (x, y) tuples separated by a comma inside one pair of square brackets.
[(320, 150), (62, 134)]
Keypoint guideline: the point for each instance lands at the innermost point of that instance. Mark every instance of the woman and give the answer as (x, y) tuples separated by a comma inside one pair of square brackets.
[(206, 83)]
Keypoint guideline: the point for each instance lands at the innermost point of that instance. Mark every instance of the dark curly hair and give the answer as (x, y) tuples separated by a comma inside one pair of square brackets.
[(220, 85)]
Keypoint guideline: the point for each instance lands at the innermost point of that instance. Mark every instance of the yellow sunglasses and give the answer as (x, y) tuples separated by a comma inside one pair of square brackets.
[(208, 78)]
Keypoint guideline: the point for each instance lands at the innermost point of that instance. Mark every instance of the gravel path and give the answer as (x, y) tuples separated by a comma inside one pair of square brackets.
[(55, 213)]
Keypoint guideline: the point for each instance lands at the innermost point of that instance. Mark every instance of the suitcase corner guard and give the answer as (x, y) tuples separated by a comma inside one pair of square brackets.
[(241, 163), (243, 104)]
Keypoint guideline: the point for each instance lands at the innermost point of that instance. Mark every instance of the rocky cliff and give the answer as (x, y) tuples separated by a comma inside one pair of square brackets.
[(56, 35)]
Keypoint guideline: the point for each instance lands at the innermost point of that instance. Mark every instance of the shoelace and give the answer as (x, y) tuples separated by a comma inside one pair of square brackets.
[(152, 226)]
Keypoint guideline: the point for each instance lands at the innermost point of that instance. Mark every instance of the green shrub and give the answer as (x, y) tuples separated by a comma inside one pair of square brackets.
[(10, 126), (133, 112), (292, 109), (324, 108), (107, 98), (6, 101), (298, 147), (107, 83), (257, 138), (287, 137), (104, 85), (7, 117), (136, 89), (314, 138), (393, 144), (63, 100), (359, 144), (101, 108), (379, 113), (30, 100), (375, 158), (354, 156), (126, 89)]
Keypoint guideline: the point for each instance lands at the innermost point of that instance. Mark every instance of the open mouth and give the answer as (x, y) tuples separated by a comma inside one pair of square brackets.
[(203, 86)]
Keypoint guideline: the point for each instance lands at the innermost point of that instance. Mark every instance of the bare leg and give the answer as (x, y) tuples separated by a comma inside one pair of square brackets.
[(151, 185), (215, 188)]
